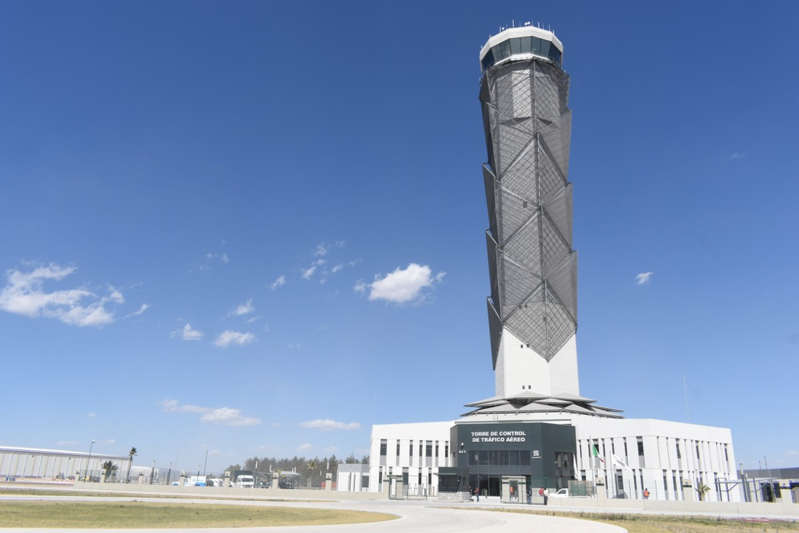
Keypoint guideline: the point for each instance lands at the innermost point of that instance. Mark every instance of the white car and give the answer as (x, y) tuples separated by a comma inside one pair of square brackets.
[(561, 493), (245, 481)]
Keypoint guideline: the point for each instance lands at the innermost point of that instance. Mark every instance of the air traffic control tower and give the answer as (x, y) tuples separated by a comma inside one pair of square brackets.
[(532, 310)]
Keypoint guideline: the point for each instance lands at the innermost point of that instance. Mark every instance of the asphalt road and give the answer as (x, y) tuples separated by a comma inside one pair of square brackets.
[(416, 517)]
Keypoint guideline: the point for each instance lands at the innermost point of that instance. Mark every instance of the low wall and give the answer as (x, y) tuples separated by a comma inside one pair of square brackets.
[(227, 492), (720, 508)]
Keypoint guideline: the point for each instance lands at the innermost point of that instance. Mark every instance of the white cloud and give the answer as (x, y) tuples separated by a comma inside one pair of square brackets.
[(642, 278), (24, 294), (244, 309), (737, 155), (308, 273), (327, 424), (304, 447), (142, 309), (187, 333), (336, 268), (220, 415), (92, 415), (229, 417), (323, 248), (228, 337), (212, 257), (279, 282), (402, 285)]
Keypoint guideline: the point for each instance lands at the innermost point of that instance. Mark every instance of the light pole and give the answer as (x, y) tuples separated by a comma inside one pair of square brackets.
[(86, 472)]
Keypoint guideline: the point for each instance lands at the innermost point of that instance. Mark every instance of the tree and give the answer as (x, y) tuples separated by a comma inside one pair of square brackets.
[(702, 489), (131, 453), (108, 469)]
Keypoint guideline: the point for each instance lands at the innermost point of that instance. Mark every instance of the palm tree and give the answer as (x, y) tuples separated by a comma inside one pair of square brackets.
[(131, 453), (108, 469)]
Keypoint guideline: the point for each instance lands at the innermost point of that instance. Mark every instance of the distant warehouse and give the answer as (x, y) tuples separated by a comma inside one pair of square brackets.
[(43, 464)]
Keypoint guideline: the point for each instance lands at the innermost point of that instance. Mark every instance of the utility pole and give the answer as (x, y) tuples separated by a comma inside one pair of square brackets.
[(89, 460), (205, 464)]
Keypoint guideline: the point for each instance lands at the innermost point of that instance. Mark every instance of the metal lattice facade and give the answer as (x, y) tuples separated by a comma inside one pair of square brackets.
[(532, 265)]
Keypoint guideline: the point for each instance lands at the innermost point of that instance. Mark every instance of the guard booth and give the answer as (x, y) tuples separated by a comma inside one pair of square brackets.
[(514, 489), (398, 485)]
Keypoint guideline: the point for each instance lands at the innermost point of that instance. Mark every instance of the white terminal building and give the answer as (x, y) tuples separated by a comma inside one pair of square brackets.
[(537, 430)]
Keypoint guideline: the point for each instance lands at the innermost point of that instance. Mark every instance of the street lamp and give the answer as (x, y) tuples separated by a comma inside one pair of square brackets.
[(86, 472)]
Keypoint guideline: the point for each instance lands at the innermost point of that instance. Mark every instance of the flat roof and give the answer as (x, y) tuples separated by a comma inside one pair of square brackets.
[(46, 451)]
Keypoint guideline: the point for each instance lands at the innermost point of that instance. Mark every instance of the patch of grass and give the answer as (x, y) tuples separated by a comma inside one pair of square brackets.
[(635, 523), (157, 515), (120, 494)]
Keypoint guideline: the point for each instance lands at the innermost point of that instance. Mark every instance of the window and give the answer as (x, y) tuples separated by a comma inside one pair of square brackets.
[(383, 446), (516, 46), (640, 441), (524, 458), (501, 51), (626, 456), (545, 48), (488, 60), (526, 45), (397, 457), (536, 42), (554, 54), (677, 444)]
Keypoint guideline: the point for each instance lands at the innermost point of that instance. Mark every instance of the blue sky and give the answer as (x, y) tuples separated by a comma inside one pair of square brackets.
[(164, 165)]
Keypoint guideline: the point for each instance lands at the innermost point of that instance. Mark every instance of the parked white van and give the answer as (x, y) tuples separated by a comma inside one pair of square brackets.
[(245, 481)]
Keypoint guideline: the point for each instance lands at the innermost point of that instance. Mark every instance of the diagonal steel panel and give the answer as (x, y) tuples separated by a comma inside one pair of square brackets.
[(493, 267), (563, 283), (494, 331), (491, 191), (512, 213), (559, 210), (520, 177)]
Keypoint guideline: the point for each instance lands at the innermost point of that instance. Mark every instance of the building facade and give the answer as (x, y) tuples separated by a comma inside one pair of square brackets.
[(410, 454), (43, 464), (621, 457)]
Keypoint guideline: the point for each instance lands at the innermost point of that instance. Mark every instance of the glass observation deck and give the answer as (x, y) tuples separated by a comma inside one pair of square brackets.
[(524, 47)]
